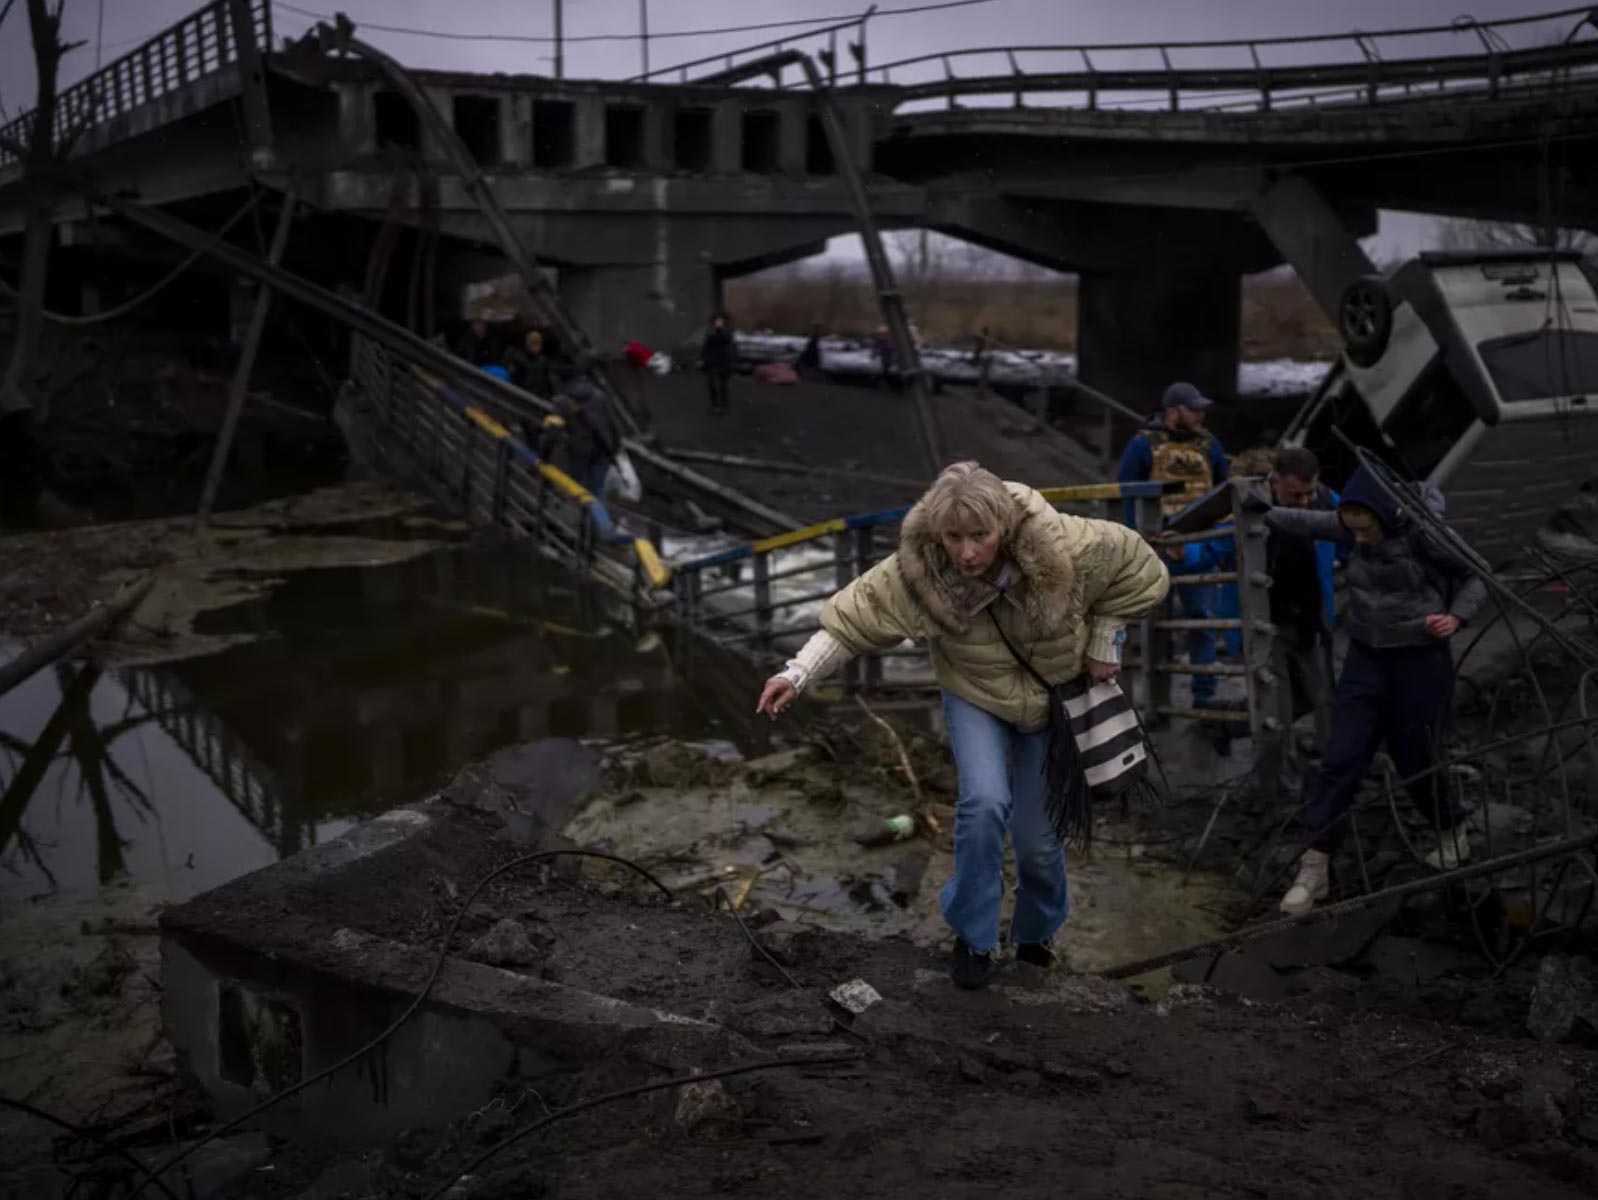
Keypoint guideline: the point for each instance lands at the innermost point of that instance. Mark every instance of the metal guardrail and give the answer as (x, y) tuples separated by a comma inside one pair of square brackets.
[(1267, 73), (470, 460), (200, 45), (744, 611)]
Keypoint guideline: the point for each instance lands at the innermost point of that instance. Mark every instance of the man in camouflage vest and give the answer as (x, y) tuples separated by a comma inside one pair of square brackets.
[(1175, 446)]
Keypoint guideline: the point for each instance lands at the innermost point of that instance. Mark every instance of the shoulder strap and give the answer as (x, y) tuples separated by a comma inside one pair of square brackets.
[(1014, 653)]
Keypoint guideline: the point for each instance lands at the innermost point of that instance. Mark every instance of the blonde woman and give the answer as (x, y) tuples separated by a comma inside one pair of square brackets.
[(981, 561)]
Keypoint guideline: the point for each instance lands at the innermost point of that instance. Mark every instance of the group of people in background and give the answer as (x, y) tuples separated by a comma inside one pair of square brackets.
[(1409, 594), (582, 434)]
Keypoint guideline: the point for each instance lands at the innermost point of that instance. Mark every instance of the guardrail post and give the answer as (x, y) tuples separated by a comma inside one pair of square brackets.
[(762, 569), (501, 479), (843, 573), (468, 431), (1156, 642), (1254, 606), (540, 506)]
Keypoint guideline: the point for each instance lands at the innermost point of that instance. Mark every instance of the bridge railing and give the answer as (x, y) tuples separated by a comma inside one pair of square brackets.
[(1261, 73), (470, 460), (200, 45), (763, 599)]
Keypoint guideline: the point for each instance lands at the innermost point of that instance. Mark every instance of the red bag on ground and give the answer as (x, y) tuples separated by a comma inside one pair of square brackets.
[(776, 372), (637, 355)]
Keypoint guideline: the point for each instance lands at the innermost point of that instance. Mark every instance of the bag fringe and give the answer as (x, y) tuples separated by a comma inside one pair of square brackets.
[(1069, 801)]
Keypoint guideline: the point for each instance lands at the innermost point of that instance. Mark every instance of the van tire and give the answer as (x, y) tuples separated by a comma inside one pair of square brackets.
[(1365, 320)]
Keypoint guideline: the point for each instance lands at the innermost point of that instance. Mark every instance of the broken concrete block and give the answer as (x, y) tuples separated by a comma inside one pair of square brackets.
[(700, 1102), (790, 944), (1564, 999), (855, 996), (505, 945)]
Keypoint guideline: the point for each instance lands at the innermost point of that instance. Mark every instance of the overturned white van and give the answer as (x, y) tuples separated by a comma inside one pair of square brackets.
[(1477, 373)]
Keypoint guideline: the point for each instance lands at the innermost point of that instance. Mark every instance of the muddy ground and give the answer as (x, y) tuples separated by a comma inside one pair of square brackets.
[(1394, 1062)]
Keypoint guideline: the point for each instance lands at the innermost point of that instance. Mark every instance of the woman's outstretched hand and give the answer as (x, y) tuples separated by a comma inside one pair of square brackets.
[(777, 695), (1100, 672)]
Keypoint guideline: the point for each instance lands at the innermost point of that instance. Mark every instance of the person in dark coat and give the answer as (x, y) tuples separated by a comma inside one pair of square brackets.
[(530, 368), (593, 435), (477, 345), (1408, 595), (719, 358)]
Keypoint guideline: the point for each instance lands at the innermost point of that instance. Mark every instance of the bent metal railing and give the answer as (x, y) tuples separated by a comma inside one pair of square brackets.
[(766, 611), (472, 462), (1244, 74), (201, 45)]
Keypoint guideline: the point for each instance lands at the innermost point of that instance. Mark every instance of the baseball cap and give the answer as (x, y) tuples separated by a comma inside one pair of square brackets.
[(1185, 395)]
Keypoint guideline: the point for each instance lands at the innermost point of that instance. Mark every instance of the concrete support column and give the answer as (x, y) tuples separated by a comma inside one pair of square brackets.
[(590, 132), (659, 304), (657, 137), (443, 99), (516, 131), (791, 138), (726, 138), (1137, 333), (357, 118)]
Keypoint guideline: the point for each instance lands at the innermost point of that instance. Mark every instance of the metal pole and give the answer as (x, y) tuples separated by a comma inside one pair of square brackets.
[(560, 63), (241, 374), (643, 32)]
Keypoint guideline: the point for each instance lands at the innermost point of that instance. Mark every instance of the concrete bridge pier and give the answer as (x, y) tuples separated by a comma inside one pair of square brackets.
[(661, 304), (1138, 331)]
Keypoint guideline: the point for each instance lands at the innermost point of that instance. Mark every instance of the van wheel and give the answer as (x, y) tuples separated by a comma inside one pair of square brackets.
[(1365, 320)]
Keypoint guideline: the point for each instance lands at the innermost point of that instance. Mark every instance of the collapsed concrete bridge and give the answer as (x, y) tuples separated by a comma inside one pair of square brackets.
[(645, 195)]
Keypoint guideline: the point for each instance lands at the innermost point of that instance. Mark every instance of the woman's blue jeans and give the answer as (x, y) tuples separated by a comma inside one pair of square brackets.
[(1001, 789)]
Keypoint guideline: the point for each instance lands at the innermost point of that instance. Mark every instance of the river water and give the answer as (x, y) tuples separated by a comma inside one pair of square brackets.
[(361, 688)]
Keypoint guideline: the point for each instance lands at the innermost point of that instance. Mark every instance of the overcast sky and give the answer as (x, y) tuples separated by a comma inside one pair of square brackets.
[(126, 23)]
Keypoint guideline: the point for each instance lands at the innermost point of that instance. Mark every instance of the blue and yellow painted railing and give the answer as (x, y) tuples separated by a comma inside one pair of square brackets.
[(650, 566), (1083, 494)]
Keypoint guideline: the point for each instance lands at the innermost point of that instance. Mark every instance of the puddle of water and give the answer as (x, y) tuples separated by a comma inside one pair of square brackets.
[(364, 688)]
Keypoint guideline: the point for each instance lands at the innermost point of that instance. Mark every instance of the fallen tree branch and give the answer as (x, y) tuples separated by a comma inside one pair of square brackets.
[(69, 638), (923, 814)]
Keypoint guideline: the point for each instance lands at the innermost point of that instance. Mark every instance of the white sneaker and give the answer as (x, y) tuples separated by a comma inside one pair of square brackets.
[(1311, 885), (1453, 852)]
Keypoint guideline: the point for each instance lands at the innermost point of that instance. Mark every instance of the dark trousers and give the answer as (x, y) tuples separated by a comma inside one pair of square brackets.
[(717, 383), (1299, 660), (1399, 696)]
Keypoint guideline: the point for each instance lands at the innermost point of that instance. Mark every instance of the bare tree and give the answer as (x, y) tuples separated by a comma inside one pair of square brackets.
[(38, 156)]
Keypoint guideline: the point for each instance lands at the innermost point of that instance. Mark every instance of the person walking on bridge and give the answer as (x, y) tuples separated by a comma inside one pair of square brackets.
[(1174, 447), (1002, 586), (719, 358), (1408, 595)]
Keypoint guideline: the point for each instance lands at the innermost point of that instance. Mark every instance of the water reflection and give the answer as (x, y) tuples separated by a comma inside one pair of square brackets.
[(367, 688)]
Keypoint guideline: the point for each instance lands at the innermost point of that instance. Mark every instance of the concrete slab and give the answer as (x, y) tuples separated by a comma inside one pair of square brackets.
[(279, 974)]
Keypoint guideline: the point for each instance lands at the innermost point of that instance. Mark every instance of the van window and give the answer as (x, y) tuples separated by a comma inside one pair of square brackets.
[(1542, 363), (1428, 421)]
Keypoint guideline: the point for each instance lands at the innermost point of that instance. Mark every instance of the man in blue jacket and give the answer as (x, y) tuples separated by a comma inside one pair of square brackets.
[(1175, 447), (1302, 609)]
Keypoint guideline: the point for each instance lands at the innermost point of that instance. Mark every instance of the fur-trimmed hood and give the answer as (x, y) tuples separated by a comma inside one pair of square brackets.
[(1036, 549)]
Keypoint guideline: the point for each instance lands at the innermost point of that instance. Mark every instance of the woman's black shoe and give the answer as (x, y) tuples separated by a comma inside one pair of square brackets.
[(1037, 954), (967, 968)]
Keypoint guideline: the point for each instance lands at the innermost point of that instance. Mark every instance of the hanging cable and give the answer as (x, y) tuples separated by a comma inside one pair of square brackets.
[(149, 293)]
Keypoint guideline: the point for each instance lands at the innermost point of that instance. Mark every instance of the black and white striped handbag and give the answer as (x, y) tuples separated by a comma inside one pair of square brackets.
[(1097, 748)]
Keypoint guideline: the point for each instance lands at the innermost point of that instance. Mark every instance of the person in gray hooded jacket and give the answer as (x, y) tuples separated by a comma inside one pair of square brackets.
[(1407, 596)]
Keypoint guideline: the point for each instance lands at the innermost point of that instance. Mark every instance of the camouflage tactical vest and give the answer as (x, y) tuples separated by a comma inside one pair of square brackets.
[(1184, 460)]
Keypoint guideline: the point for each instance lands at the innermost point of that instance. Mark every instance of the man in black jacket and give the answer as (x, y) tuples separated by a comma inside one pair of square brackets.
[(719, 358)]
